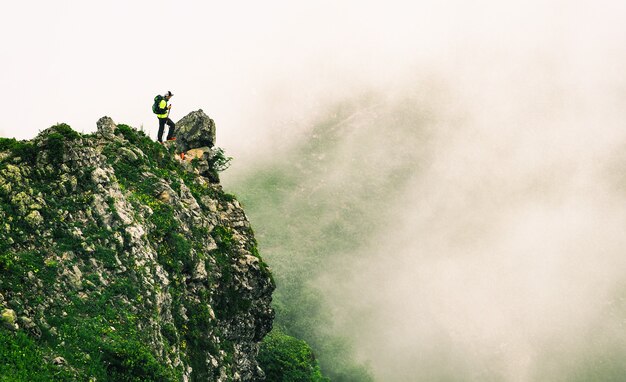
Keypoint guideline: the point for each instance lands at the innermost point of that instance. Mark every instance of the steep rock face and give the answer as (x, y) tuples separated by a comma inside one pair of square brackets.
[(121, 261)]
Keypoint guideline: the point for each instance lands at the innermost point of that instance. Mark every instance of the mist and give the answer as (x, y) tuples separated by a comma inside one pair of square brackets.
[(502, 258), (472, 202), (437, 186)]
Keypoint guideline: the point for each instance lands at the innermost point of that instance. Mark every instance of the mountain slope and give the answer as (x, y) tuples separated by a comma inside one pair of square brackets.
[(121, 262)]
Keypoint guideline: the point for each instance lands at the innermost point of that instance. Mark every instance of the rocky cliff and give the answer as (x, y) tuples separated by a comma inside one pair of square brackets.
[(120, 260)]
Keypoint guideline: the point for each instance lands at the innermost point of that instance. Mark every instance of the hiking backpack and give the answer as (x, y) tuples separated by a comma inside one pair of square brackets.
[(155, 106)]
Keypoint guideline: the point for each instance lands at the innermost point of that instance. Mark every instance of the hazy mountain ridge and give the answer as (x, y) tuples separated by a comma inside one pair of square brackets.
[(319, 206), (415, 239), (121, 262)]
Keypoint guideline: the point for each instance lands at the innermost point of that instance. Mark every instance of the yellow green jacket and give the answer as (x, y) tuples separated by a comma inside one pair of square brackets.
[(163, 109)]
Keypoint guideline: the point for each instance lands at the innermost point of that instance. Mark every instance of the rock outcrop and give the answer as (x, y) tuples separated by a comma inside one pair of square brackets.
[(121, 261), (195, 138), (195, 130)]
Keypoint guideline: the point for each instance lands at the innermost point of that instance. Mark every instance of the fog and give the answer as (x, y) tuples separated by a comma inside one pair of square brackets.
[(503, 259), (499, 256), (447, 175)]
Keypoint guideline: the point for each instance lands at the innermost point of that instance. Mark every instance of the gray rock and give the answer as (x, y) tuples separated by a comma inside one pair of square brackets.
[(129, 155), (201, 159), (59, 361), (200, 273), (195, 130), (74, 276), (106, 127), (9, 318), (8, 315), (100, 176), (164, 197), (34, 219), (30, 326)]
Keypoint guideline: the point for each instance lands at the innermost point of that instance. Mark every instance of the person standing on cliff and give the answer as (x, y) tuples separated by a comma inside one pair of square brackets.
[(162, 110)]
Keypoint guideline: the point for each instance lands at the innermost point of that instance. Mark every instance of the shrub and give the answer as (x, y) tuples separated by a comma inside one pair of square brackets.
[(66, 131), (6, 261), (55, 146), (130, 361), (220, 162), (7, 143), (133, 136), (23, 149), (175, 252), (287, 359)]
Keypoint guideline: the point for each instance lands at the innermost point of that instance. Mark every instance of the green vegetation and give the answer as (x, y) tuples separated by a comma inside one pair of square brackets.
[(23, 150), (22, 358), (95, 330), (287, 359), (66, 132), (135, 137), (55, 141), (297, 250), (228, 304), (100, 337), (132, 361), (220, 162), (316, 206), (54, 145), (94, 319)]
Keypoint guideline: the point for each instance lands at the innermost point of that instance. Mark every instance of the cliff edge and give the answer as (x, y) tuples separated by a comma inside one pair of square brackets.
[(120, 261)]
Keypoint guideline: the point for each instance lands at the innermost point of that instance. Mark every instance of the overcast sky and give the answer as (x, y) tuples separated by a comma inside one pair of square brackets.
[(253, 66), (74, 61)]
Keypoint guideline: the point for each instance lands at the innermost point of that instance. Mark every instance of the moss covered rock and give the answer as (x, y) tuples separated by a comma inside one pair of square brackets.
[(125, 262), (8, 318)]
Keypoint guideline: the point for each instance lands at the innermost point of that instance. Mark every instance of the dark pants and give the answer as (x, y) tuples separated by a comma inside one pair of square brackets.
[(170, 133)]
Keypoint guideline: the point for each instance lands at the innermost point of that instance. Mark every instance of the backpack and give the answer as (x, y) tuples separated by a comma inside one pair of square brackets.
[(155, 106)]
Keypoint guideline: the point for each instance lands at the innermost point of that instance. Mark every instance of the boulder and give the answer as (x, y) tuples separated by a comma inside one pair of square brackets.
[(59, 361), (195, 130), (34, 219), (106, 127), (8, 318)]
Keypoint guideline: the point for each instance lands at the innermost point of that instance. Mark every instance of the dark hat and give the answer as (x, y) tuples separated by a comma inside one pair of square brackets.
[(168, 93)]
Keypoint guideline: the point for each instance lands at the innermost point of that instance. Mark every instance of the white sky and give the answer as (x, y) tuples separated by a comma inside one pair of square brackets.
[(254, 65), (75, 61)]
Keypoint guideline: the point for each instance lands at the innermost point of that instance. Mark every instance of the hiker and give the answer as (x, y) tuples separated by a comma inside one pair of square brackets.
[(162, 110)]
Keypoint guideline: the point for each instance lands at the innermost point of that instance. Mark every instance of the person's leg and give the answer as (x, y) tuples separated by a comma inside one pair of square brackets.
[(170, 133), (161, 127)]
